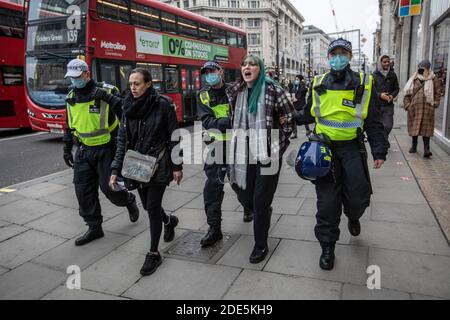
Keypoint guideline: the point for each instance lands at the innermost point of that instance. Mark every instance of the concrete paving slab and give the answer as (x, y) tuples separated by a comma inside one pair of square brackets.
[(192, 219), (26, 246), (287, 205), (62, 293), (287, 190), (9, 231), (192, 184), (110, 210), (65, 223), (4, 223), (406, 213), (239, 253), (68, 254), (253, 285), (422, 297), (24, 211), (413, 272), (174, 199), (3, 270), (205, 282), (301, 258), (308, 208), (66, 198), (141, 243), (65, 180), (29, 282), (41, 190), (307, 191), (353, 292), (121, 224), (6, 198), (230, 202), (400, 236), (114, 273)]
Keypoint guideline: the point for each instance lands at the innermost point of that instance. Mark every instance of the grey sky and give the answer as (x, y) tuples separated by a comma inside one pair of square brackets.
[(350, 14)]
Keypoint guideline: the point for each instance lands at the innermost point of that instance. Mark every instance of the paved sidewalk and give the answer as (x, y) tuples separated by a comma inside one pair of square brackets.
[(400, 233)]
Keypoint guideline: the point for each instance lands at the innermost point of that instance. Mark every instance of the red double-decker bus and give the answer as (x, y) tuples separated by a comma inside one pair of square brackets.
[(13, 111), (116, 36)]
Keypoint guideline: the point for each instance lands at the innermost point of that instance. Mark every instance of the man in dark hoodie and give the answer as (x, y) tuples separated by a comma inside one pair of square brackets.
[(343, 104), (386, 84), (92, 111)]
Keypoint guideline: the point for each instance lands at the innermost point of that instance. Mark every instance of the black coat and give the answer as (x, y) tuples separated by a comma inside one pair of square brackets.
[(387, 84), (349, 80), (148, 130), (300, 96)]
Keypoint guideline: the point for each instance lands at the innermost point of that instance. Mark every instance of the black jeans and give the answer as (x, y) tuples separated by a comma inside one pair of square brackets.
[(92, 168), (151, 197), (258, 198), (213, 193), (348, 187), (387, 113)]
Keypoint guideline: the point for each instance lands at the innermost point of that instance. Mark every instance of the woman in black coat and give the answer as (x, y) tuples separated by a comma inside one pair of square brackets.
[(147, 125)]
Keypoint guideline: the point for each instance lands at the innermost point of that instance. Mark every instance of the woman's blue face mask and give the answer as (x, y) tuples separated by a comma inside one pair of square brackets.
[(339, 62), (78, 83), (212, 79)]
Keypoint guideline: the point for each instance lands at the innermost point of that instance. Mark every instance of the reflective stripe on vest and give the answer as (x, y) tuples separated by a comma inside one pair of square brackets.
[(335, 113), (220, 111), (91, 127)]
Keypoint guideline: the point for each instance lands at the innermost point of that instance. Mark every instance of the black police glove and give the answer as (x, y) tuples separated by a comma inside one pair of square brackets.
[(68, 157), (101, 94)]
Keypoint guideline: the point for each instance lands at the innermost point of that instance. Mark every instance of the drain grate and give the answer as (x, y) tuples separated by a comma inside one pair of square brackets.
[(187, 247)]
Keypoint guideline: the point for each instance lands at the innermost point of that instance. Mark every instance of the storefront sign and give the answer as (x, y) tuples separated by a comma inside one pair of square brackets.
[(160, 44), (410, 8)]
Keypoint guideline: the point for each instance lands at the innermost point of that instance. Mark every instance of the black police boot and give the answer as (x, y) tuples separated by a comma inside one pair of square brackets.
[(426, 147), (414, 145), (169, 228), (258, 255), (152, 262), (92, 234), (248, 216), (133, 211), (327, 258), (214, 234), (354, 226)]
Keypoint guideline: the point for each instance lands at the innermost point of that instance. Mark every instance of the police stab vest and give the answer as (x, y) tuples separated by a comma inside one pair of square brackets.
[(220, 111), (336, 114), (90, 120)]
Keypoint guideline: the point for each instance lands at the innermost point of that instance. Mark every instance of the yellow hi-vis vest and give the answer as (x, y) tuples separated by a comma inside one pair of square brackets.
[(90, 121), (335, 113), (220, 111)]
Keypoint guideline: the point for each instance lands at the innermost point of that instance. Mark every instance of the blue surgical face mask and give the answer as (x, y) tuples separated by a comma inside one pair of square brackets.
[(297, 82), (212, 79), (78, 82), (339, 62)]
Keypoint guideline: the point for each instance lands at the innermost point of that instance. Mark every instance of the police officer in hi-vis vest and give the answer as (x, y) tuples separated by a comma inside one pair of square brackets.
[(93, 110), (343, 104), (213, 110)]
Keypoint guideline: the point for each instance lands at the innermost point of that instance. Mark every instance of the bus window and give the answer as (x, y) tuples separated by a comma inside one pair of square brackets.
[(172, 80), (124, 75), (203, 32), (187, 27), (168, 22), (116, 10), (218, 36), (108, 73), (11, 25), (44, 9), (232, 39), (12, 76), (145, 16), (241, 41), (156, 73)]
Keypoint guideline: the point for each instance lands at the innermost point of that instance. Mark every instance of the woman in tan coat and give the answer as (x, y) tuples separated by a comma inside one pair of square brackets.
[(422, 97)]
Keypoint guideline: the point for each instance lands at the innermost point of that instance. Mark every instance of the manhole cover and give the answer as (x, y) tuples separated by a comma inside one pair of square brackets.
[(188, 247)]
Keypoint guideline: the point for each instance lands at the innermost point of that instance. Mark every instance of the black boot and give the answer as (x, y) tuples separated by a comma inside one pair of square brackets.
[(258, 255), (169, 228), (414, 145), (327, 257), (92, 234), (152, 262), (354, 226), (214, 234), (133, 210), (248, 215), (426, 147)]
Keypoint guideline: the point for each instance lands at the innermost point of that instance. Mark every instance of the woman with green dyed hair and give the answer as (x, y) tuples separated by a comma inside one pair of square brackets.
[(262, 119)]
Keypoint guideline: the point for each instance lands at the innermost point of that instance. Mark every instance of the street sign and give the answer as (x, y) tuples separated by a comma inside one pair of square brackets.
[(410, 8)]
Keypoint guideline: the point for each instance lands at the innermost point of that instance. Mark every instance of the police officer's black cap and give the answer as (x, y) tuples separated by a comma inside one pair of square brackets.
[(340, 43), (212, 64)]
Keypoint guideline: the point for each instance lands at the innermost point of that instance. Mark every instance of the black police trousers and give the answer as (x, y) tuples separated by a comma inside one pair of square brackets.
[(213, 193), (346, 186), (258, 197), (92, 168)]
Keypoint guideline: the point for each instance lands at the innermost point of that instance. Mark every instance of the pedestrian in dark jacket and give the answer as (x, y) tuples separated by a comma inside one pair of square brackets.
[(257, 103), (386, 85), (147, 126)]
